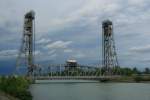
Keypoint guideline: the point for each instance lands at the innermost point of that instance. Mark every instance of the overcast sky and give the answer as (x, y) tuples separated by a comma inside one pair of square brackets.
[(72, 29)]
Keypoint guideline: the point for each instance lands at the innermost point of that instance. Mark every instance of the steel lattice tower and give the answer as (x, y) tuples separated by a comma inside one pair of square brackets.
[(26, 54), (109, 60)]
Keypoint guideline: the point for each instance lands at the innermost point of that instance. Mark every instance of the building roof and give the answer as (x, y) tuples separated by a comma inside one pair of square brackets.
[(72, 60)]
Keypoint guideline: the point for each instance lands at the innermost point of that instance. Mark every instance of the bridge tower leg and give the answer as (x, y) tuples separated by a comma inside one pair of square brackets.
[(25, 57), (109, 59)]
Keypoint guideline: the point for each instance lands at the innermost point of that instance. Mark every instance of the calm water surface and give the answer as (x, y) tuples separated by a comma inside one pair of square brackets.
[(91, 91)]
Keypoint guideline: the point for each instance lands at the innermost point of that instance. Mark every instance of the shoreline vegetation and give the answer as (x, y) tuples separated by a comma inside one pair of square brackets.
[(17, 87), (5, 96), (130, 75), (129, 79)]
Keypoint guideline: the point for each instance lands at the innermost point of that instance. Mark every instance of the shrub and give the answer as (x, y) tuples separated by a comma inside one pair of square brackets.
[(16, 87)]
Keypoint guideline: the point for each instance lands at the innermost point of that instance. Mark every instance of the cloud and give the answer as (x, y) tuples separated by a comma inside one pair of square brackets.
[(43, 41), (147, 60), (53, 55), (51, 51), (59, 45), (8, 54), (140, 49), (68, 51), (137, 2), (45, 55), (79, 55), (37, 53)]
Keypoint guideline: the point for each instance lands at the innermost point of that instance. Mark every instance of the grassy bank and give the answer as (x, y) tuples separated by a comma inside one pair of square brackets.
[(5, 96), (16, 86)]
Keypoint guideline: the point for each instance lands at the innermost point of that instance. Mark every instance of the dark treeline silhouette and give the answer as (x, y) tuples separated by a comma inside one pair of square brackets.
[(131, 71)]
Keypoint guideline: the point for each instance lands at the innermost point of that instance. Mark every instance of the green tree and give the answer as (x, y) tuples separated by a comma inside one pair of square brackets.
[(147, 71), (135, 71)]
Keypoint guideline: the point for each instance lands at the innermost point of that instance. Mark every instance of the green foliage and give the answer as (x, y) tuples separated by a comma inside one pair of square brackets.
[(147, 71), (138, 79), (16, 87), (126, 71)]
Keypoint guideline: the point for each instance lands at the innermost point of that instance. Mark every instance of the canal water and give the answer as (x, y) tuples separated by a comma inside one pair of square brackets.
[(90, 91)]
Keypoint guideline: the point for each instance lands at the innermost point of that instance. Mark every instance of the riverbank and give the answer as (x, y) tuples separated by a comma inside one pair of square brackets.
[(4, 96), (16, 87), (129, 79)]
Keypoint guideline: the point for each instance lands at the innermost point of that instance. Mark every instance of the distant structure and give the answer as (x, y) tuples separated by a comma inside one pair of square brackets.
[(71, 64), (109, 59), (71, 67), (25, 58)]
